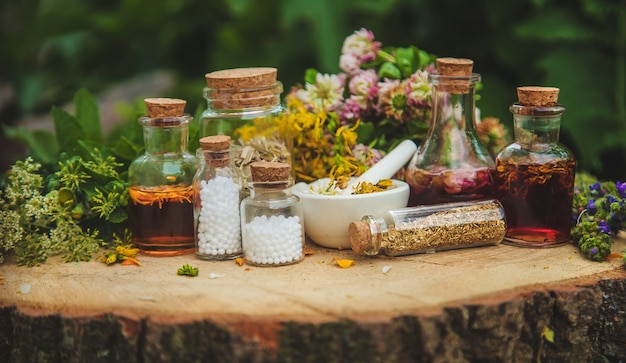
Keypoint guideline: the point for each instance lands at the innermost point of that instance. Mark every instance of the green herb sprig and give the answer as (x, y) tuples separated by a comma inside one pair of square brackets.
[(188, 270), (70, 195)]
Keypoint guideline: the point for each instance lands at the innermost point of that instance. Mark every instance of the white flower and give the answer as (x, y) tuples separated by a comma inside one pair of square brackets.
[(350, 64), (361, 45), (326, 93)]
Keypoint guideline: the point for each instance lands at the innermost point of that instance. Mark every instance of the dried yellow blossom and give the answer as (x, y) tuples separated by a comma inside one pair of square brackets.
[(343, 263)]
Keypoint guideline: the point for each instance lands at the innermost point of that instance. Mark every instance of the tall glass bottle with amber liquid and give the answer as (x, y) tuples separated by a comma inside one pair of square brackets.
[(535, 174), (161, 182)]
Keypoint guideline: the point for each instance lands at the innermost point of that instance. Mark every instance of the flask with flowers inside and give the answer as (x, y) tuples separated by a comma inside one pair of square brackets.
[(344, 123)]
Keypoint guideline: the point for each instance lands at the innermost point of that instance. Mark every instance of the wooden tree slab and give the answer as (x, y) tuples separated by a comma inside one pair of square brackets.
[(491, 304)]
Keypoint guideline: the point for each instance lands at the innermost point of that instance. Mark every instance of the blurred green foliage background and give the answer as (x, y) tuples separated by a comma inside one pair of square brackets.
[(51, 48)]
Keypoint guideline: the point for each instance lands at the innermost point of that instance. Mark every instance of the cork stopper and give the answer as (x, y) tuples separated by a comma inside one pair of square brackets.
[(164, 107), (215, 143), (455, 67), (241, 78), (216, 150), (537, 96), (270, 172), (360, 236), (241, 88)]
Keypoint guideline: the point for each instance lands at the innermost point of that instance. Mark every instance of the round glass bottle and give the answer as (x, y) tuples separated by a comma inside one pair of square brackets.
[(217, 194), (245, 103), (160, 182), (535, 174), (272, 218), (430, 228), (451, 164)]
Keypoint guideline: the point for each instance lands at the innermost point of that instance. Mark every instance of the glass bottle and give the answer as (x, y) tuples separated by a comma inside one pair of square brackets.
[(451, 164), (272, 217), (216, 195), (430, 228), (160, 182), (245, 103), (535, 174)]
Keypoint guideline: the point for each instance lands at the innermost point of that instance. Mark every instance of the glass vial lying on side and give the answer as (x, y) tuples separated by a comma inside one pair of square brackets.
[(430, 228)]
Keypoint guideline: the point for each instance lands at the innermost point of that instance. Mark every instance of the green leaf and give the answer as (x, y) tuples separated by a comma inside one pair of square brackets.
[(118, 215), (88, 115), (407, 60), (67, 129), (42, 145), (389, 70), (126, 149), (310, 75)]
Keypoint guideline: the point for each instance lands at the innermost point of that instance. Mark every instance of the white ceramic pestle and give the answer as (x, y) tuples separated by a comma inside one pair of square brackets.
[(386, 167)]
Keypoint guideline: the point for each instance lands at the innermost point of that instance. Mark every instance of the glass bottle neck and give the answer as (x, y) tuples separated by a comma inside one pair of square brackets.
[(168, 135), (261, 191), (536, 125)]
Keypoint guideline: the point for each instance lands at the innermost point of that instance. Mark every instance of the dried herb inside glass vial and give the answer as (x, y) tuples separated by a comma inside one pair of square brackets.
[(430, 228), (535, 174)]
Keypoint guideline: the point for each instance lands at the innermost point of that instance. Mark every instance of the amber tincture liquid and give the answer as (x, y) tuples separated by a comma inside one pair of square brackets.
[(159, 218), (537, 199)]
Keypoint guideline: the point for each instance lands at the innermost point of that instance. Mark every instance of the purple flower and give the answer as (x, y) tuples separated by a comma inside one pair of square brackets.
[(593, 251), (604, 227), (591, 207), (595, 188), (621, 189), (612, 199)]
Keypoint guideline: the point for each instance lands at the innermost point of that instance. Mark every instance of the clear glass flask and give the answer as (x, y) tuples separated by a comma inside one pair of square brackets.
[(535, 174), (451, 164), (160, 182)]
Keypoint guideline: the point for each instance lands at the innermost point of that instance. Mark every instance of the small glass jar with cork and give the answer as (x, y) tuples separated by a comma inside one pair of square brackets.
[(217, 194), (535, 174), (245, 103), (272, 217), (451, 164), (160, 182), (430, 228)]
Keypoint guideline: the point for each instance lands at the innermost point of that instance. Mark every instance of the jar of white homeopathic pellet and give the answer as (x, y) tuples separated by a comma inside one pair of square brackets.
[(217, 191), (272, 222)]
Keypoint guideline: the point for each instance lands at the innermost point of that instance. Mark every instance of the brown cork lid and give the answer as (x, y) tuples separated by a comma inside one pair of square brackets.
[(241, 78), (269, 171), (360, 236), (537, 96), (215, 142), (164, 107), (241, 88), (455, 67)]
